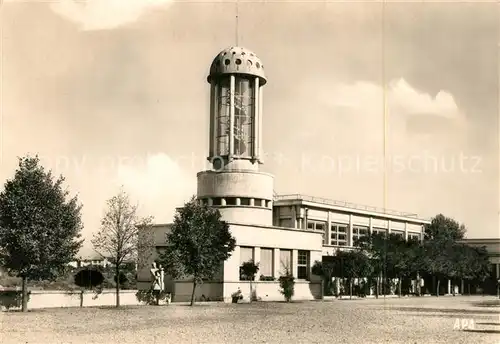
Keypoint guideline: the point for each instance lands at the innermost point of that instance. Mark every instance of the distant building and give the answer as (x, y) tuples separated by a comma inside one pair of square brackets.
[(90, 261), (493, 247), (290, 231)]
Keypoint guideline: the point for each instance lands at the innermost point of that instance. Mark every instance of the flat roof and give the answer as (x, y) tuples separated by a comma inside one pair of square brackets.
[(349, 207)]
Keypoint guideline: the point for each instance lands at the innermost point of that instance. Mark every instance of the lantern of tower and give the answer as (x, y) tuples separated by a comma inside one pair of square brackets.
[(236, 79), (234, 184)]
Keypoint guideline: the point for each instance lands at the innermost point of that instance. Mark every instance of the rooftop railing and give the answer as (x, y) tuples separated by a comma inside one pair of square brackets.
[(342, 204)]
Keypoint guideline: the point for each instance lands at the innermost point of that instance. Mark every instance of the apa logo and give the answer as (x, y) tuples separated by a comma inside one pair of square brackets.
[(464, 324)]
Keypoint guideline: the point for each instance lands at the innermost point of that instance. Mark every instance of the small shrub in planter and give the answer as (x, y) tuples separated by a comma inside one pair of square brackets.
[(287, 284), (267, 278)]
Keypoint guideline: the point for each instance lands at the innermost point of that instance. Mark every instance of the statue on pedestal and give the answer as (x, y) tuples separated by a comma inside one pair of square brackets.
[(156, 285)]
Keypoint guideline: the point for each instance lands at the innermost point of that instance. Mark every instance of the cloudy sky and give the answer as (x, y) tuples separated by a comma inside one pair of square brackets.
[(113, 92)]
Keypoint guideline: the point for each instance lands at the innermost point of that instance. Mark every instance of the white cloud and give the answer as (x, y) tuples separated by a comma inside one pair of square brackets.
[(160, 186), (400, 96), (105, 14)]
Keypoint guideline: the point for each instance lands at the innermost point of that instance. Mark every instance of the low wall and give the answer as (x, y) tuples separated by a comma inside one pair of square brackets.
[(270, 290), (207, 291), (262, 291), (62, 298)]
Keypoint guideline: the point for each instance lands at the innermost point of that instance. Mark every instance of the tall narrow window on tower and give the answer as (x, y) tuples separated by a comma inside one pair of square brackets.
[(222, 118), (243, 114)]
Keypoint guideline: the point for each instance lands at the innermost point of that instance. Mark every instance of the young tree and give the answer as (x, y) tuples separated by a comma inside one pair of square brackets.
[(39, 225), (199, 242), (118, 237), (444, 229), (248, 270)]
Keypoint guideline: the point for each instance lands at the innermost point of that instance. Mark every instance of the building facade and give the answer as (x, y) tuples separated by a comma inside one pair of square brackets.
[(288, 232), (493, 247)]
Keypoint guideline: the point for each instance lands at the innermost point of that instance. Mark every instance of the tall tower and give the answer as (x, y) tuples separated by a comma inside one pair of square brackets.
[(234, 184)]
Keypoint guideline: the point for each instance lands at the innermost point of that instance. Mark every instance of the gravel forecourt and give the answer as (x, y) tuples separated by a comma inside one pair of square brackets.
[(423, 320)]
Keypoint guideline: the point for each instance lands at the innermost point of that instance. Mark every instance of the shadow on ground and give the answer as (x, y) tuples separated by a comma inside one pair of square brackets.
[(489, 303), (483, 331), (443, 310), (488, 323)]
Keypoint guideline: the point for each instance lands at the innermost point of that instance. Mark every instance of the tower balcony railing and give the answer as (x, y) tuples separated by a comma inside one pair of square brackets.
[(343, 204)]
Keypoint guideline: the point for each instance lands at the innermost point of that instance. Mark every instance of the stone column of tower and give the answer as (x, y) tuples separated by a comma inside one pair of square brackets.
[(234, 184)]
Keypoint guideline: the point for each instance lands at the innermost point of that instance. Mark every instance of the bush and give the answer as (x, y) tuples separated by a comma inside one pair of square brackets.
[(267, 278), (12, 298), (287, 284), (123, 279), (88, 278), (148, 297)]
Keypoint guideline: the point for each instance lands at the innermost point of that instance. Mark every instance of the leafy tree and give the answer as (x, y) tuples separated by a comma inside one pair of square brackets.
[(437, 260), (356, 265), (88, 278), (376, 248), (479, 263), (248, 270), (327, 269), (39, 225), (415, 261), (443, 228), (440, 246), (399, 259), (118, 237), (198, 243)]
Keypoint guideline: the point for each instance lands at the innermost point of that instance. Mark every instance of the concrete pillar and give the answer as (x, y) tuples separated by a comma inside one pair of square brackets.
[(276, 262), (238, 201), (349, 232), (232, 81), (406, 231), (370, 225), (252, 202), (498, 271), (222, 201), (295, 261), (389, 227), (294, 216), (210, 201), (261, 99), (256, 257), (328, 228), (213, 116), (449, 287), (256, 122)]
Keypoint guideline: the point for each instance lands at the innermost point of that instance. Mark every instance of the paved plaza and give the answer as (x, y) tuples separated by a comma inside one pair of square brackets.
[(409, 320)]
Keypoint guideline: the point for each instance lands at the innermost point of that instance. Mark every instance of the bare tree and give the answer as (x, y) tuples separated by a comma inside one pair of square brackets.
[(118, 237)]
